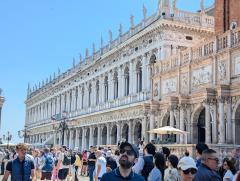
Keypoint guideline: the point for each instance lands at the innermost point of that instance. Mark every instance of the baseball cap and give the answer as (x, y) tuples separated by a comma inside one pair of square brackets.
[(133, 147), (186, 163)]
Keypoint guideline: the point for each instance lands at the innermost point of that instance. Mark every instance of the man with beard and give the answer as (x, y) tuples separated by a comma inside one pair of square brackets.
[(128, 157)]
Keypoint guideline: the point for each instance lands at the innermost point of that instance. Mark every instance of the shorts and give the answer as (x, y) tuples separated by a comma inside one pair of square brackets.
[(62, 173), (46, 175)]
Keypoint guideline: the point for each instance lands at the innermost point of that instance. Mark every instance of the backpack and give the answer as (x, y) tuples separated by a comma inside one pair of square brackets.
[(49, 163), (73, 159), (66, 160), (148, 166)]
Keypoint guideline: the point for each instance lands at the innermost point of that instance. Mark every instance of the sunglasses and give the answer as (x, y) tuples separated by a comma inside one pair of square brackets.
[(215, 159), (190, 170), (129, 152)]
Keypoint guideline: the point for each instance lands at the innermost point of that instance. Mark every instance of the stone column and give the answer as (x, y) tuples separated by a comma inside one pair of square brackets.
[(77, 139), (83, 138), (71, 138), (108, 133), (121, 85), (152, 122), (172, 116), (182, 116), (131, 83), (65, 138), (221, 121), (73, 104), (207, 123), (118, 132), (229, 121), (130, 131), (91, 136), (110, 86), (60, 138), (144, 125), (79, 98), (177, 115), (54, 138), (144, 73), (99, 135), (102, 89)]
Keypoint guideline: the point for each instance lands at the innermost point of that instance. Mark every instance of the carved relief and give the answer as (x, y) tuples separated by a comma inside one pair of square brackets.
[(170, 85), (237, 65), (184, 83), (201, 76), (222, 70)]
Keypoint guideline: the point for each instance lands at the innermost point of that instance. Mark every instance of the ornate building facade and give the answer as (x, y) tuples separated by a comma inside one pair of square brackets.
[(155, 74)]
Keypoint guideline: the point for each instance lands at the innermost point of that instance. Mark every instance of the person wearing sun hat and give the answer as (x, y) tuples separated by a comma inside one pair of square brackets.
[(187, 167)]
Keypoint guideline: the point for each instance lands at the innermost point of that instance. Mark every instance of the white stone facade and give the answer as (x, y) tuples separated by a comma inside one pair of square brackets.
[(111, 96)]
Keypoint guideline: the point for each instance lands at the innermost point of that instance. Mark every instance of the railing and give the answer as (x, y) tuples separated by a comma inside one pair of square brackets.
[(123, 101), (217, 44)]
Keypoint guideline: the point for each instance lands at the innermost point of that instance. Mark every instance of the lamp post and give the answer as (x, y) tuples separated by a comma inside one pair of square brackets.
[(8, 138), (62, 125), (24, 134)]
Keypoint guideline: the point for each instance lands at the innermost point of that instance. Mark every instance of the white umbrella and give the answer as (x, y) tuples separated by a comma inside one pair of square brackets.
[(7, 144), (167, 130)]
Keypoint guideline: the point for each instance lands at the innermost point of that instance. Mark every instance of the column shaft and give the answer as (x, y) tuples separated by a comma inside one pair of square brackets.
[(152, 121), (207, 124), (221, 123)]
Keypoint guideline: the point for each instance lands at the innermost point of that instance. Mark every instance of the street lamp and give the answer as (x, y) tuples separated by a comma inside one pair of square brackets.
[(62, 125), (24, 134), (7, 138)]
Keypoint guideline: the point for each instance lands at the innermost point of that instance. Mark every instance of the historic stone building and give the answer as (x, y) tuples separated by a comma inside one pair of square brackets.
[(169, 69)]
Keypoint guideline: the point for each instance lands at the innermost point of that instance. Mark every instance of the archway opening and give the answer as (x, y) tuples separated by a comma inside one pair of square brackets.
[(125, 132), (201, 127), (137, 133), (104, 136), (95, 135), (114, 135), (237, 125)]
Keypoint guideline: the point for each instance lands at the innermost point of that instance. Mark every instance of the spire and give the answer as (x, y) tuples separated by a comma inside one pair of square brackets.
[(86, 53), (50, 78), (132, 21), (93, 48), (80, 58), (101, 41), (120, 30), (202, 6), (163, 7), (59, 72), (110, 35), (144, 12), (73, 62)]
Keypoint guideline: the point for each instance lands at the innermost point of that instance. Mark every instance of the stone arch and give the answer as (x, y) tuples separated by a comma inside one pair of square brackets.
[(137, 132), (165, 118), (114, 135), (139, 76), (126, 81), (104, 135), (125, 130), (198, 122), (95, 136), (236, 122)]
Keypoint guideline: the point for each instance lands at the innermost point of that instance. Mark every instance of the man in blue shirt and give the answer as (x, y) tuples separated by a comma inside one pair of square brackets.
[(128, 157), (21, 168)]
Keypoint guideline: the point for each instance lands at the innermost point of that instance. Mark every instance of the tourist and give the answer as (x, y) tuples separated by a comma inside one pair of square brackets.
[(91, 162), (157, 173), (237, 176), (187, 168), (56, 165), (208, 167), (116, 156), (48, 164), (100, 166), (77, 165), (228, 166), (128, 156), (200, 147), (27, 172), (37, 161), (64, 161), (84, 163), (111, 163), (171, 173), (166, 152)]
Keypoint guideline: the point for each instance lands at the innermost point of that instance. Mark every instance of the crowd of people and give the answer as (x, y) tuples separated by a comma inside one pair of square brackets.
[(126, 162)]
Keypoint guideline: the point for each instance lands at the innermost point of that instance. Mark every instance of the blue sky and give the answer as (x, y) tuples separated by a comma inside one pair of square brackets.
[(38, 37)]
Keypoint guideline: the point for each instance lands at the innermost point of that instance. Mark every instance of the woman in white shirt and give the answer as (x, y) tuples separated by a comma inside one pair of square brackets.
[(229, 169)]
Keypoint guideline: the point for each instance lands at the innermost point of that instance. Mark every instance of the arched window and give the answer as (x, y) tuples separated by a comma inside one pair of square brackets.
[(65, 102), (115, 79), (126, 81), (82, 98), (106, 89), (89, 94), (139, 76), (76, 97), (97, 92)]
